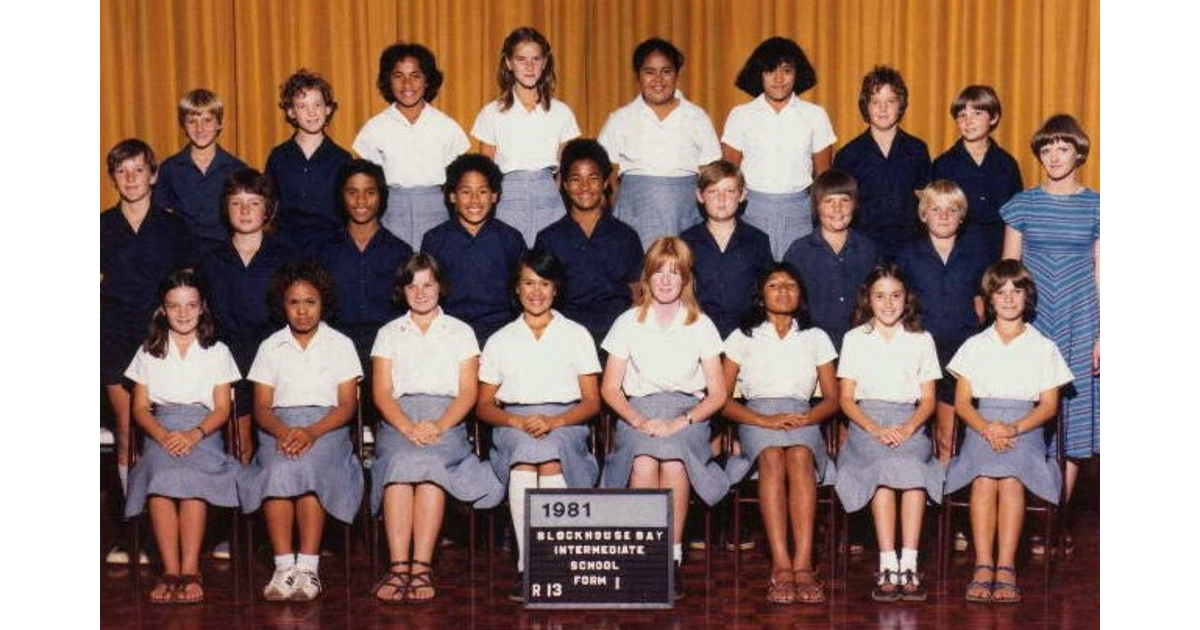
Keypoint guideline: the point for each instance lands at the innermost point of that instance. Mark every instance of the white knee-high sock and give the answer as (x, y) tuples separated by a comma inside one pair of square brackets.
[(518, 482), (123, 473)]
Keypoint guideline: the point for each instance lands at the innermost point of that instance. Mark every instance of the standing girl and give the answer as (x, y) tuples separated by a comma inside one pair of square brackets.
[(663, 379), (781, 142), (426, 368), (523, 129), (1055, 230), (538, 388), (887, 369), (412, 140), (181, 399), (305, 378), (776, 359), (1015, 372)]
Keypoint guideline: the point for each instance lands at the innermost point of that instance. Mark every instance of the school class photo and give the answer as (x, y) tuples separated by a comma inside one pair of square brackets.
[(377, 278)]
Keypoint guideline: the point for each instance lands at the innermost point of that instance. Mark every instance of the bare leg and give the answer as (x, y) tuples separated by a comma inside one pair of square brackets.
[(245, 431), (983, 530), (281, 516), (945, 430), (1009, 521), (673, 476), (549, 468), (311, 517), (772, 505), (430, 504), (644, 473), (192, 514), (883, 511), (164, 519), (912, 511), (398, 520), (802, 503)]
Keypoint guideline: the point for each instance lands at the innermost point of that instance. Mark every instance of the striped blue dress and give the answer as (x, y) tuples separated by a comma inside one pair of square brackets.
[(1058, 235)]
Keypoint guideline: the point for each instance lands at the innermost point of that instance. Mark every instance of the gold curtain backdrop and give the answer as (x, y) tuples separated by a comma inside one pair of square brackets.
[(1042, 56)]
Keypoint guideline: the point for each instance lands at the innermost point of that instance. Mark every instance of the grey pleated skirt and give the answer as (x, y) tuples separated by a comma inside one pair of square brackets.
[(411, 212), (449, 462), (329, 469), (657, 206), (785, 217), (207, 472), (866, 464), (756, 439), (529, 202), (567, 445), (1028, 461), (691, 445)]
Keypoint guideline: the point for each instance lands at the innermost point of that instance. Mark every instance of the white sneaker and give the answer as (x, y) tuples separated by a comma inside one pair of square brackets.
[(960, 542), (281, 586), (307, 585), (117, 555), (221, 550)]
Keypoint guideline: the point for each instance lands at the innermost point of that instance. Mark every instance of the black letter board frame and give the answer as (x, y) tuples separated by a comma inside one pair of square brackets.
[(641, 581)]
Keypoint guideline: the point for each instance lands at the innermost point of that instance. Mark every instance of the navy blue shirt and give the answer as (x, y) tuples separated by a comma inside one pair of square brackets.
[(478, 269), (134, 263), (832, 280), (237, 294), (365, 283), (598, 269), (196, 196), (726, 281), (946, 291), (988, 185), (886, 211), (305, 189)]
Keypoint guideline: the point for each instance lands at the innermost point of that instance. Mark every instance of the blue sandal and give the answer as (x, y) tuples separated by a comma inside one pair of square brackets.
[(986, 586), (1006, 587)]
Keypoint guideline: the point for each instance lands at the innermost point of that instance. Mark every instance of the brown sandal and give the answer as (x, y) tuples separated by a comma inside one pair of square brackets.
[(397, 580), (185, 581), (168, 583), (781, 592), (811, 593), (420, 580)]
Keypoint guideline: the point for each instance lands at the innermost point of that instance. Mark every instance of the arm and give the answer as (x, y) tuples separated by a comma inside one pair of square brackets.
[(1012, 243), (298, 440), (468, 387), (381, 393), (587, 407), (921, 414), (731, 154), (175, 443), (488, 150), (734, 410), (1045, 409), (993, 432), (830, 403), (822, 160), (715, 397), (980, 311), (846, 391), (610, 390)]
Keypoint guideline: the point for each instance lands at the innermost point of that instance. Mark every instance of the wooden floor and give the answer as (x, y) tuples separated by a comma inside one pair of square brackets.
[(474, 597)]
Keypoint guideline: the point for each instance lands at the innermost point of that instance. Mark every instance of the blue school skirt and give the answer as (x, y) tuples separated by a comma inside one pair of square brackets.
[(1028, 460), (757, 439), (691, 446), (449, 462), (529, 202), (657, 206), (866, 464), (785, 217), (411, 212), (329, 469), (206, 472), (567, 445)]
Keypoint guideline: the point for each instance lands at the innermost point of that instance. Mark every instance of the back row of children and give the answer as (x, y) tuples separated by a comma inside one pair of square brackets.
[(597, 251)]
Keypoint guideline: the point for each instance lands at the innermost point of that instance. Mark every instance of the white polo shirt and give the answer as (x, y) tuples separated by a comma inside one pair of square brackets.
[(412, 154), (770, 367), (429, 362), (532, 371), (777, 147), (1029, 365), (888, 370), (306, 376), (663, 359), (675, 146), (184, 380), (525, 140)]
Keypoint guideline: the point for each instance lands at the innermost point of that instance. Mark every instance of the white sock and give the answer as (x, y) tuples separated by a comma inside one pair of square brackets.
[(887, 560), (552, 481), (305, 562), (518, 482), (285, 561), (908, 560), (123, 473), (677, 553)]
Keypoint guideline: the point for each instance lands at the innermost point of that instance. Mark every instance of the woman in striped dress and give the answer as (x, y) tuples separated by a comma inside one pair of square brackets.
[(1055, 230)]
